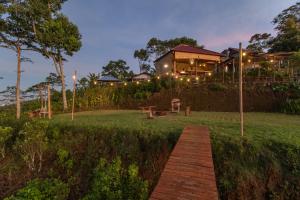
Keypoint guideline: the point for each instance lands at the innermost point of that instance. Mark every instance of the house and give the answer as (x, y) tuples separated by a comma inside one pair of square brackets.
[(141, 77), (252, 60), (186, 60), (108, 79)]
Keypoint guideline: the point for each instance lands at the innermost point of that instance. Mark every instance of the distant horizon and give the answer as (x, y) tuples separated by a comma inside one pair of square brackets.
[(113, 30)]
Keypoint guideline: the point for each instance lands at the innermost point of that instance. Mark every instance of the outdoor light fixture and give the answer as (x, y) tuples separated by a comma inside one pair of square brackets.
[(244, 54), (125, 84), (111, 84), (226, 69), (181, 79), (249, 61), (176, 77), (149, 80), (158, 77), (166, 66), (182, 72), (272, 61), (137, 82), (74, 77), (209, 74), (197, 78), (95, 82), (167, 73), (192, 61), (188, 80)]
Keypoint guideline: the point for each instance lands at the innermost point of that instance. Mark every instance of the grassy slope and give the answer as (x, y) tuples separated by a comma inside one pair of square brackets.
[(258, 126)]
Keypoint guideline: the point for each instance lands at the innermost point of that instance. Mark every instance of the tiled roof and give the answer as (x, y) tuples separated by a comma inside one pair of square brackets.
[(190, 49)]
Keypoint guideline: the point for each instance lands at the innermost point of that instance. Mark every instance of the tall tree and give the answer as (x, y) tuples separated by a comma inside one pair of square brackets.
[(16, 33), (259, 42), (143, 58), (118, 69), (156, 47), (59, 38), (288, 30)]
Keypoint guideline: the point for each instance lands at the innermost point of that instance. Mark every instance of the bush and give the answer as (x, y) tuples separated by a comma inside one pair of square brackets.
[(291, 106), (48, 189), (112, 182), (5, 134), (217, 87)]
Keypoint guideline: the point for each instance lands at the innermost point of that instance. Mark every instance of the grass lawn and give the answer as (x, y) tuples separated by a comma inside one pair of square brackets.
[(258, 126)]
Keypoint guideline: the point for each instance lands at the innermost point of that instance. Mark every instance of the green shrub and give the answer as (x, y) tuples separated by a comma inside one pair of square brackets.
[(217, 87), (112, 182), (48, 189), (291, 106), (5, 134)]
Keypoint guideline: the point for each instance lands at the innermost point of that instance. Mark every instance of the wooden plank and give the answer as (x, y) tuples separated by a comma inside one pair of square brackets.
[(189, 173)]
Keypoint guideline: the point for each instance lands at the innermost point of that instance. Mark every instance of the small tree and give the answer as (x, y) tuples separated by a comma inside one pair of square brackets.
[(295, 61), (143, 58), (32, 144), (118, 69), (5, 134)]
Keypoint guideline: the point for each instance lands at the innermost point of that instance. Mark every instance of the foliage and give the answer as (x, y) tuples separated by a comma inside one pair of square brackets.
[(32, 143), (291, 106), (143, 57), (259, 42), (112, 182), (5, 134), (295, 60), (47, 189), (117, 69), (65, 160), (217, 87)]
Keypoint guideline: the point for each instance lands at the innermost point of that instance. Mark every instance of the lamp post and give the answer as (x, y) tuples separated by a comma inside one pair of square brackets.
[(241, 54), (74, 77)]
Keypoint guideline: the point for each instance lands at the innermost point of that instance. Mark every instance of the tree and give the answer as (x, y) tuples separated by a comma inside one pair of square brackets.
[(259, 42), (143, 58), (58, 37), (92, 79), (32, 144), (288, 30), (156, 47), (117, 69), (16, 33), (295, 61)]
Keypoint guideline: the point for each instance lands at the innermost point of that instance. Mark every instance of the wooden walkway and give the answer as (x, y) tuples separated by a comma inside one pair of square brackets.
[(189, 173)]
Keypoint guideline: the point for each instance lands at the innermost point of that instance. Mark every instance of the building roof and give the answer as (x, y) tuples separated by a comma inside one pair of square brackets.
[(190, 49), (109, 78)]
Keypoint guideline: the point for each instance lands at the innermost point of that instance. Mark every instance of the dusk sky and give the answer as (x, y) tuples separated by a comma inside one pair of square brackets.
[(113, 29)]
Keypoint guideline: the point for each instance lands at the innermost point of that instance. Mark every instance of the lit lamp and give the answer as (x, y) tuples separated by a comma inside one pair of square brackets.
[(249, 61), (209, 74), (95, 82), (244, 54), (137, 82), (74, 91), (166, 66), (149, 80), (111, 84), (197, 78), (181, 79), (125, 84), (188, 80), (158, 77), (272, 61), (192, 61)]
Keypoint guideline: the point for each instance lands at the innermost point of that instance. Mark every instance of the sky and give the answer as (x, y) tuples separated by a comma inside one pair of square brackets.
[(113, 29)]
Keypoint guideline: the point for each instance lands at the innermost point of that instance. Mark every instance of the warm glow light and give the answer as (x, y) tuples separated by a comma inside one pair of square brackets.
[(197, 78), (181, 79), (188, 80), (74, 77), (125, 84), (149, 80), (244, 54), (158, 77), (272, 61), (166, 66), (111, 84), (176, 77), (249, 61), (167, 73), (137, 82), (192, 61), (209, 74), (95, 82), (182, 72)]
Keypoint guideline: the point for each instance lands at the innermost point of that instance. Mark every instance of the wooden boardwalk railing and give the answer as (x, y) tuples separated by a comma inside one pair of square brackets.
[(189, 173)]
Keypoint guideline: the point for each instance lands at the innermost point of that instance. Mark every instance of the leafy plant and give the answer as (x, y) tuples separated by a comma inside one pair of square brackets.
[(5, 134), (48, 189), (112, 182)]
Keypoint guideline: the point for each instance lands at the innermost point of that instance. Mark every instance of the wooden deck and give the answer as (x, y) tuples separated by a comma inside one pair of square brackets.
[(189, 173)]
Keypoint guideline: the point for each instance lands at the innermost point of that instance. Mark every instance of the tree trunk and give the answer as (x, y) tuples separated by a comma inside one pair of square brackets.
[(63, 84), (18, 103)]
